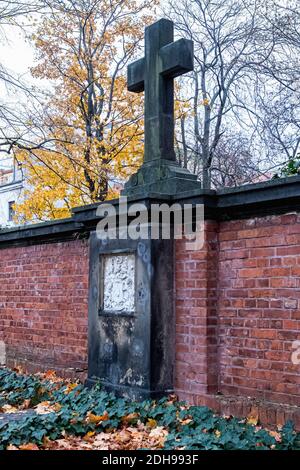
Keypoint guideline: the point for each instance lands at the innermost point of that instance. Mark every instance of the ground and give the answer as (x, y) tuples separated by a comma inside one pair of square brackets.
[(43, 411)]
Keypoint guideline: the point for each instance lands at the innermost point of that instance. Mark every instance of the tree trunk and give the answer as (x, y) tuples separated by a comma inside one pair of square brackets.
[(206, 178)]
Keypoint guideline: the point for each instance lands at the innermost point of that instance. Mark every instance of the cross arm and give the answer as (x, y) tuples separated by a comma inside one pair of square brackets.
[(177, 58), (136, 76)]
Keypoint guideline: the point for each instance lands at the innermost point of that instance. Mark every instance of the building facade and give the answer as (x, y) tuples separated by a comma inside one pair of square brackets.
[(11, 190)]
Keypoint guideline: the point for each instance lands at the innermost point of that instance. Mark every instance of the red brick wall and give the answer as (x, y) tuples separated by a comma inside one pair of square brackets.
[(237, 314), (43, 305), (247, 280), (196, 317)]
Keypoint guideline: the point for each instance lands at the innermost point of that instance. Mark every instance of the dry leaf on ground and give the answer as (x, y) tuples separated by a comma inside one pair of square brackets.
[(96, 419), (46, 407)]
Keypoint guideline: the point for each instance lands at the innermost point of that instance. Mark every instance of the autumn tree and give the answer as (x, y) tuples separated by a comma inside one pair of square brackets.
[(93, 126)]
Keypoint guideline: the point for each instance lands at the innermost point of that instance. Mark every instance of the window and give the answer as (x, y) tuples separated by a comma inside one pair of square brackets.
[(11, 211)]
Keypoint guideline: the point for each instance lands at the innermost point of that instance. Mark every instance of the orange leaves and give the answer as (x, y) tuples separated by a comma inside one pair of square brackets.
[(252, 418), (151, 423), (95, 419), (89, 436), (50, 375), (131, 418), (70, 387), (29, 446)]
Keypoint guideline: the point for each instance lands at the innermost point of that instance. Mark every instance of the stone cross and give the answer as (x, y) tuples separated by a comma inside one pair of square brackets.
[(164, 60)]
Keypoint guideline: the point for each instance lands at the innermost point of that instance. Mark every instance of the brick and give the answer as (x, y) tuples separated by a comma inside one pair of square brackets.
[(264, 333), (46, 300)]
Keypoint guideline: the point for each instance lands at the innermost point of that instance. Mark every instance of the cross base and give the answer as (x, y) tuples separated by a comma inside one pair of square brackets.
[(160, 177)]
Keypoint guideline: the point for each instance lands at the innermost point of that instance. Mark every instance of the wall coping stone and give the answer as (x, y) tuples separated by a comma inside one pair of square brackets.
[(272, 197)]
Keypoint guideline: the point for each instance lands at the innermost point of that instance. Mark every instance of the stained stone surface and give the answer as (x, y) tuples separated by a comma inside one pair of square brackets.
[(119, 283), (2, 353)]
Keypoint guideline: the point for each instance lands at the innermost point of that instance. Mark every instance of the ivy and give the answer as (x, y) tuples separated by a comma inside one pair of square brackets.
[(76, 410)]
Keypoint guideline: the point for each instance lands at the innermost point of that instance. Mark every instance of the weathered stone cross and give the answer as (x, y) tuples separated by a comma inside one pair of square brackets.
[(164, 60)]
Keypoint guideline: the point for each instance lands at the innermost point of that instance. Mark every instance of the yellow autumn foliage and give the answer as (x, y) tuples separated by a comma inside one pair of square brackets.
[(92, 126)]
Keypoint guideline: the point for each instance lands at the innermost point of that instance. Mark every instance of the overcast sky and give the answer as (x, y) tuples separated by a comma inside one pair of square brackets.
[(16, 54)]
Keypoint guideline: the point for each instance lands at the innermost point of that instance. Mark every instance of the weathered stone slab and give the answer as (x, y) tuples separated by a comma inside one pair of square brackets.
[(2, 353), (119, 283), (131, 351)]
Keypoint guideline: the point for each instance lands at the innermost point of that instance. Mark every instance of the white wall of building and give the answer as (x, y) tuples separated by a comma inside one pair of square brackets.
[(11, 189)]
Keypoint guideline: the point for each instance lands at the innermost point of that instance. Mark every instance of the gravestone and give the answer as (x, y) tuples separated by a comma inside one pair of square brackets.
[(131, 300), (131, 317)]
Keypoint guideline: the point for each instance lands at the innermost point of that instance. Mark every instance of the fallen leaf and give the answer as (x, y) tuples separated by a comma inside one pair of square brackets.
[(252, 419), (9, 409), (101, 441), (47, 443), (50, 374), (123, 436), (88, 436), (70, 387), (95, 419), (64, 443), (45, 407), (276, 435), (29, 446), (218, 433), (186, 421), (151, 423), (128, 419), (159, 434)]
